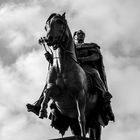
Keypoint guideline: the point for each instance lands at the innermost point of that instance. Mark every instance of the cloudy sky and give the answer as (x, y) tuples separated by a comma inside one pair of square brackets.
[(113, 24)]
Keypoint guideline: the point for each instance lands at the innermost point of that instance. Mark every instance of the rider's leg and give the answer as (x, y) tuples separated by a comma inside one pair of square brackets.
[(99, 85), (81, 103)]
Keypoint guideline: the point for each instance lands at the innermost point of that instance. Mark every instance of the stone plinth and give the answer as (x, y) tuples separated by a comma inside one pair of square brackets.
[(72, 138)]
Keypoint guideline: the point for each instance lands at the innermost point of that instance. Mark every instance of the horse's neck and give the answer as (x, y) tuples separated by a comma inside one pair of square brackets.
[(64, 56)]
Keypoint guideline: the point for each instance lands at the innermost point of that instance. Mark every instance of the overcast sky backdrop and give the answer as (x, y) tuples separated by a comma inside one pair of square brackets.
[(113, 24)]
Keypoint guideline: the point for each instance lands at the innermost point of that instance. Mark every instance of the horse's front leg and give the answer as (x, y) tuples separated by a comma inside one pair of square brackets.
[(44, 105), (81, 105)]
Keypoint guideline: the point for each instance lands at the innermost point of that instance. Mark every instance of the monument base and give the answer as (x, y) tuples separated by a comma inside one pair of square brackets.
[(72, 138)]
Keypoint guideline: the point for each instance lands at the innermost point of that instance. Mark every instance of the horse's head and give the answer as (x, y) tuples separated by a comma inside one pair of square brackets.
[(56, 26)]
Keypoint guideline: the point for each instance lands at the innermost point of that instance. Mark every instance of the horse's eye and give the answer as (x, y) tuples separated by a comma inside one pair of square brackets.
[(45, 28)]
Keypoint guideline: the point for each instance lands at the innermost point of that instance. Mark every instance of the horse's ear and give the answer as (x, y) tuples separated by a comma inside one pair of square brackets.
[(63, 15)]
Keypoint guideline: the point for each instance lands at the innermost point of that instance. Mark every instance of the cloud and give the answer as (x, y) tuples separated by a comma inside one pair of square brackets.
[(20, 18), (20, 85), (21, 27), (113, 24)]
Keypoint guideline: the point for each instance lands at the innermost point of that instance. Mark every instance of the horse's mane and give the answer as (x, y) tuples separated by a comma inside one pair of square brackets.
[(51, 16), (62, 17)]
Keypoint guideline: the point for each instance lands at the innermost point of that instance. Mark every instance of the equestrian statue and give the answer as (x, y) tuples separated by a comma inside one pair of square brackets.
[(76, 82)]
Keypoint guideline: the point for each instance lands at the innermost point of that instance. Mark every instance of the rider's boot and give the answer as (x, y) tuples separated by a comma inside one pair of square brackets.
[(108, 108)]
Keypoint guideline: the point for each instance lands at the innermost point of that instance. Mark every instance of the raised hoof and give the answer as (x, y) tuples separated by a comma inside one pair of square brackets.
[(29, 107), (33, 108)]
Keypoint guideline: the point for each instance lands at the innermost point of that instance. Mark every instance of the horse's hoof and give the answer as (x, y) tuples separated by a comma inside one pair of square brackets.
[(41, 117), (32, 108), (29, 107)]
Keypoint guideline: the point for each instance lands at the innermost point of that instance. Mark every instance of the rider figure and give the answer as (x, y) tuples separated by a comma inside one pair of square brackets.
[(91, 60)]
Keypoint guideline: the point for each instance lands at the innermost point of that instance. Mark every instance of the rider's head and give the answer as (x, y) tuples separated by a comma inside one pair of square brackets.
[(79, 36)]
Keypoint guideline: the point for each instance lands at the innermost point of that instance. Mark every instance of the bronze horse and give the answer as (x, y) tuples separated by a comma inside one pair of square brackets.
[(67, 83)]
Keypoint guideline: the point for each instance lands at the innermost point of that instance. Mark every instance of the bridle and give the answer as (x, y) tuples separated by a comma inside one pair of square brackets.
[(61, 38), (64, 22)]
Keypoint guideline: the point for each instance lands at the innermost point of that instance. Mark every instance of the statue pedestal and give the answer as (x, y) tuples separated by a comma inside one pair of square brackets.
[(72, 138)]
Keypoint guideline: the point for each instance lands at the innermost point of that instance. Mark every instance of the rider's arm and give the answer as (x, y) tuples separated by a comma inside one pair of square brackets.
[(94, 54)]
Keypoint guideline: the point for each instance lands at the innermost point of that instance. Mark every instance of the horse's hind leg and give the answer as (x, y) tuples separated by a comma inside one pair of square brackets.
[(75, 127), (81, 104), (95, 132), (98, 131)]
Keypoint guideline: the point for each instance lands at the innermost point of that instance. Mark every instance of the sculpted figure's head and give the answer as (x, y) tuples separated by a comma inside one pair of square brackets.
[(79, 36)]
